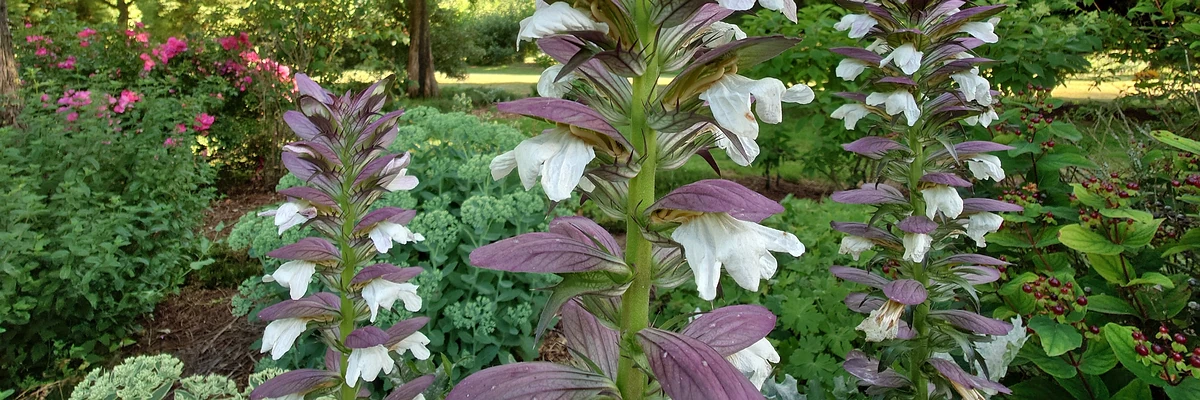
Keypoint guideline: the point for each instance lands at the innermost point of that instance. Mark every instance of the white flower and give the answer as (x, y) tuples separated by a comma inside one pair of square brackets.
[(557, 18), (384, 233), (730, 99), (787, 7), (985, 31), (382, 292), (755, 361), (367, 363), (858, 24), (984, 118), (290, 214), (292, 396), (556, 156), (899, 101), (293, 275), (906, 57), (942, 198), (396, 175), (985, 166), (548, 87), (998, 353), (850, 68), (850, 114), (415, 343), (973, 87), (916, 245), (855, 246), (981, 224), (744, 248), (748, 145), (878, 46), (721, 33), (281, 334), (883, 323)]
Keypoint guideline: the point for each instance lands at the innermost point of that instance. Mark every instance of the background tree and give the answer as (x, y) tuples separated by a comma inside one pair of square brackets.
[(422, 79), (9, 80)]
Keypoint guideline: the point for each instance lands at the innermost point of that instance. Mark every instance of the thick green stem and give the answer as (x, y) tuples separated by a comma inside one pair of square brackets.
[(349, 265), (921, 352), (635, 303)]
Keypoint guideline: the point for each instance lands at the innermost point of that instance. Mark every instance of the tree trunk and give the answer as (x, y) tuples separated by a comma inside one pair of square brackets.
[(10, 81), (122, 14), (422, 80)]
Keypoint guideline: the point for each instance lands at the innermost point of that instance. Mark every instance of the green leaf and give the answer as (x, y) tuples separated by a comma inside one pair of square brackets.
[(1085, 241), (1038, 388), (1176, 141), (1189, 389), (1098, 358), (1135, 390), (1140, 234), (1088, 198), (1152, 278), (1137, 215), (1056, 161), (1121, 340), (1057, 339), (1053, 366), (1106, 304), (1008, 238), (1085, 387), (1065, 130), (1111, 267)]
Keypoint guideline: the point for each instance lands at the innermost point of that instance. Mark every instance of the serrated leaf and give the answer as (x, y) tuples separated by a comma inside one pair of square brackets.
[(1084, 240), (1057, 339)]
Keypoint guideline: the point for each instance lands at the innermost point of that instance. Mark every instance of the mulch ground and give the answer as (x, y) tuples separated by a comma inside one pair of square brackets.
[(224, 212), (196, 327), (778, 189)]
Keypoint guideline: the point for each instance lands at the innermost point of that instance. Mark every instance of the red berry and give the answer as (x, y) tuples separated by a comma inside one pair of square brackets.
[(1055, 282), (1163, 329), (1196, 352), (1141, 350), (1195, 361), (1158, 349), (1069, 285), (1179, 338), (1026, 288), (1059, 310), (1138, 336), (1095, 329), (1114, 175), (1176, 357), (1081, 301)]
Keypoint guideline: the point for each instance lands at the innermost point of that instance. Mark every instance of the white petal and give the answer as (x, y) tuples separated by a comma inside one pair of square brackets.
[(849, 69), (749, 146), (292, 213), (557, 18), (548, 87), (384, 293), (294, 275), (281, 334), (736, 5), (850, 114), (906, 57), (986, 166), (799, 94), (916, 245), (985, 31), (855, 246), (562, 172), (503, 165), (721, 33), (416, 344), (755, 361), (980, 224), (381, 238), (883, 323), (858, 24), (744, 248), (942, 198), (730, 101), (367, 363)]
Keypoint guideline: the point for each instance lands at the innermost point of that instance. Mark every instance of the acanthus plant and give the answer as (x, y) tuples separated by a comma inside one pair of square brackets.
[(342, 157), (924, 310), (615, 129)]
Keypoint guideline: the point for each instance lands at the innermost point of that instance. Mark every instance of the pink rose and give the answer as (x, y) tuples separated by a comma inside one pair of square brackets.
[(86, 32), (203, 122), (72, 117), (147, 62), (170, 142)]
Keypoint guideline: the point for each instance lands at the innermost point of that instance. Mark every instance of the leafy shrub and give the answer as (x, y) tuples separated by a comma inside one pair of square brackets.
[(101, 223), (155, 378), (815, 330), (477, 317), (1042, 43), (495, 32)]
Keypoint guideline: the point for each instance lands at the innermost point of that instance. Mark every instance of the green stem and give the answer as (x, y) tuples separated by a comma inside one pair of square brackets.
[(349, 264), (921, 353), (635, 303)]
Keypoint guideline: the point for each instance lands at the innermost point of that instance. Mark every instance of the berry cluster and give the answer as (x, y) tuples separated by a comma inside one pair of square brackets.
[(1024, 195), (1115, 190), (1057, 299), (1170, 352)]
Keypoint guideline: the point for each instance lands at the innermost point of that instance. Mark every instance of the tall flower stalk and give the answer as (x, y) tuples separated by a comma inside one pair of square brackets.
[(341, 155), (615, 129), (923, 81)]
